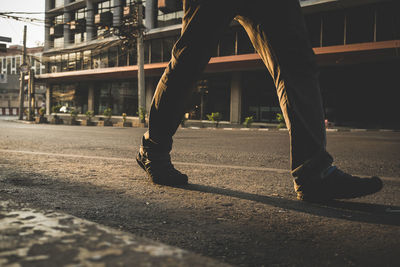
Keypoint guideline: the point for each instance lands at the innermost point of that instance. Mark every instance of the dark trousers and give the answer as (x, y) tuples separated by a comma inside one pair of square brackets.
[(277, 31)]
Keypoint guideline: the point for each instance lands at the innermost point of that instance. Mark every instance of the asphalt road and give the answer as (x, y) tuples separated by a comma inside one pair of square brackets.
[(240, 207)]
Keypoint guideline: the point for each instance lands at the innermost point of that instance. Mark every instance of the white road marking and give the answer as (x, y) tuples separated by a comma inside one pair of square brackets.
[(204, 165)]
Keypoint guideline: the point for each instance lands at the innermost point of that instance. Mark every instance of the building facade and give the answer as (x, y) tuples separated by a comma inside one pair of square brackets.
[(10, 62), (89, 68)]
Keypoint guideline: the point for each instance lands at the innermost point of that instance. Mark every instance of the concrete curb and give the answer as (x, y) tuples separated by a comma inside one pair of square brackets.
[(285, 129), (269, 128), (32, 237)]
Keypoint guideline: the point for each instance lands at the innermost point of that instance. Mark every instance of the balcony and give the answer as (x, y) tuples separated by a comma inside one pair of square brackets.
[(57, 30), (169, 6), (78, 25), (128, 11), (103, 19)]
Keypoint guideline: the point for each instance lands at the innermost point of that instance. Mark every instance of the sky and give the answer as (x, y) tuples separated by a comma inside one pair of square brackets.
[(15, 29)]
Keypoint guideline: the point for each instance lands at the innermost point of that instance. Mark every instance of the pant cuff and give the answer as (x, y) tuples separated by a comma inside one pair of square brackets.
[(313, 168)]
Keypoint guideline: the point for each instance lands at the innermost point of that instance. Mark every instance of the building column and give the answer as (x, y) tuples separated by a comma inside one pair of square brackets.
[(117, 13), (151, 13), (48, 99), (67, 28), (47, 39), (236, 98), (91, 98), (90, 28)]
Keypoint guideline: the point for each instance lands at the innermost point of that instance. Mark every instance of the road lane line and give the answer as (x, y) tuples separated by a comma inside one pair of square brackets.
[(193, 164)]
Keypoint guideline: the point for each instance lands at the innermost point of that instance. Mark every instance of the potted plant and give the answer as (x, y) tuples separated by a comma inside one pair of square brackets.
[(124, 122), (281, 121), (55, 118), (215, 117), (107, 118), (41, 118), (74, 115), (184, 119), (142, 117), (32, 115), (88, 121), (248, 121)]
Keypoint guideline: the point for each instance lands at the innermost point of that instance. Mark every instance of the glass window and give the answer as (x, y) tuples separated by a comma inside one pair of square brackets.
[(59, 42), (80, 13), (168, 19), (63, 95), (78, 60), (333, 28), (58, 19), (156, 50), (122, 56), (259, 97), (37, 68), (87, 59), (72, 61), (104, 60), (80, 37), (58, 63), (13, 62), (313, 24), (58, 3), (388, 22), (360, 25), (18, 64), (211, 94), (244, 45), (96, 61), (146, 52), (227, 43), (121, 97), (133, 55), (112, 56), (167, 45), (8, 65), (64, 62), (73, 96), (104, 6)]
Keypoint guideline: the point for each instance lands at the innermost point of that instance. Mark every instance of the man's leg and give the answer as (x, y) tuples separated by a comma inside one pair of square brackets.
[(202, 25), (279, 35)]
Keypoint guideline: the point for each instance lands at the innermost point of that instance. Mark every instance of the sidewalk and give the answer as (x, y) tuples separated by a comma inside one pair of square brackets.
[(32, 237), (226, 125)]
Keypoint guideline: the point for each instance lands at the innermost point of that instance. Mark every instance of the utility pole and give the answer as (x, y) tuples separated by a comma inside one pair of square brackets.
[(22, 80), (31, 94), (140, 62), (131, 30)]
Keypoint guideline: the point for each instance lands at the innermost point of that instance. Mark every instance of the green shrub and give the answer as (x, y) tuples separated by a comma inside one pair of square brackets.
[(89, 114), (281, 120), (107, 113), (55, 109), (73, 113), (248, 121), (215, 117), (142, 114), (42, 111)]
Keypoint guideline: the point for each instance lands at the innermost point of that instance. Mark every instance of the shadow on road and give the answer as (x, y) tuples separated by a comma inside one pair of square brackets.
[(348, 210), (197, 230)]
